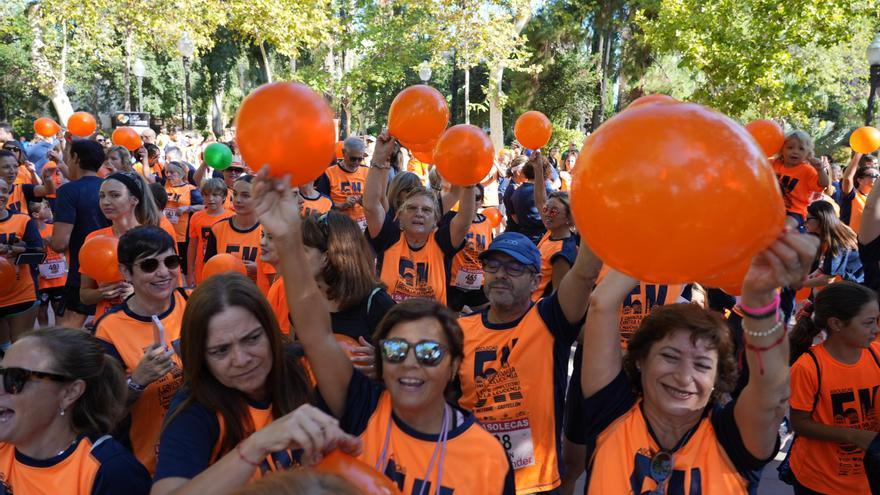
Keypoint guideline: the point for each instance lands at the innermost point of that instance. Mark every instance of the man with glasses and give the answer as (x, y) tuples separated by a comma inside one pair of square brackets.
[(344, 183), (514, 373)]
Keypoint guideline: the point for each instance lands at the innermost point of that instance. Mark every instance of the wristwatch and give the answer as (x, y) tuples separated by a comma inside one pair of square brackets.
[(134, 386)]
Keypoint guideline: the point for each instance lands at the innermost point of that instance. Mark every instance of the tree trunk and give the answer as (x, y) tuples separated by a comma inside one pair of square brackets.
[(467, 95), (51, 79), (267, 67), (496, 78), (453, 88), (599, 51), (126, 72), (217, 120)]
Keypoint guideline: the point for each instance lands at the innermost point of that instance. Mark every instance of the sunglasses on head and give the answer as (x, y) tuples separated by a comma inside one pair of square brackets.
[(427, 352), (14, 379), (150, 265)]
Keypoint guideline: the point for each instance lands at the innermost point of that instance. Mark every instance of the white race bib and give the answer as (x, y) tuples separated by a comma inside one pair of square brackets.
[(516, 438), (362, 223), (54, 269), (468, 279)]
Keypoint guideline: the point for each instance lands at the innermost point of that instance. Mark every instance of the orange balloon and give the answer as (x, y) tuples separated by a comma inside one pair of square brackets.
[(82, 124), (223, 263), (464, 155), (347, 343), (7, 275), (533, 130), (337, 148), (46, 127), (98, 260), (674, 193), (126, 137), (358, 473), (418, 114), (289, 127), (493, 215), (422, 147), (424, 156), (865, 140), (656, 98), (768, 134)]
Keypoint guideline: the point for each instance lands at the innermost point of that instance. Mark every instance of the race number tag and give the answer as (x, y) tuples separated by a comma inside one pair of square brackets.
[(55, 269), (516, 438), (468, 279), (171, 215), (362, 223)]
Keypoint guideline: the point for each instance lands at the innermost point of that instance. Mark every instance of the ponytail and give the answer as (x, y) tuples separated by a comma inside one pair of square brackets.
[(842, 300)]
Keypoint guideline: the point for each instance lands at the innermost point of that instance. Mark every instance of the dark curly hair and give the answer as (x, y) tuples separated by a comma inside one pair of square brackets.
[(701, 324)]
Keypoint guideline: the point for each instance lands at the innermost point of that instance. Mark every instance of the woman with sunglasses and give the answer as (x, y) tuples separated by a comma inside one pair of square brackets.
[(183, 200), (410, 433), (244, 408), (559, 245), (839, 249), (59, 403), (857, 182), (126, 201), (143, 332), (655, 414), (413, 252)]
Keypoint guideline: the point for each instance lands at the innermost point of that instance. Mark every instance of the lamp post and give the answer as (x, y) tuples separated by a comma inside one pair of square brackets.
[(424, 72), (140, 71), (874, 61), (186, 48)]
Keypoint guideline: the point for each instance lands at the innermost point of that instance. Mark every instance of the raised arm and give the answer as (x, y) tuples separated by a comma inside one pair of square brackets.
[(603, 357), (870, 226), (536, 161), (764, 399), (574, 289), (278, 211), (847, 181), (461, 222), (823, 180), (377, 179)]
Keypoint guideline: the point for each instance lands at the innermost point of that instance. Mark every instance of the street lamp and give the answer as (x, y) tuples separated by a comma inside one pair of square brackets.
[(140, 71), (874, 61), (186, 48), (424, 72)]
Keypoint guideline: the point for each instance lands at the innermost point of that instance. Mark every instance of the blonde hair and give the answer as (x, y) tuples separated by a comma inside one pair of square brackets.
[(803, 138), (421, 192)]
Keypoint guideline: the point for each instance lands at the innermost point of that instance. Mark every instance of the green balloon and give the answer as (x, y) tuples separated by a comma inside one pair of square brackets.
[(218, 156)]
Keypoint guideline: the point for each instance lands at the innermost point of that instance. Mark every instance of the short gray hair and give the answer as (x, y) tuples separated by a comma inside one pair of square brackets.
[(354, 144)]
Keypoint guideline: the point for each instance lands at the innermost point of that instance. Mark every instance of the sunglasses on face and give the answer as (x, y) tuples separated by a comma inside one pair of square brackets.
[(11, 148), (427, 352), (150, 265), (512, 268), (660, 470), (14, 379)]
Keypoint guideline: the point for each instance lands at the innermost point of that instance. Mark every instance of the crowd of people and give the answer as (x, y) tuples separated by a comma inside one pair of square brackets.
[(386, 314)]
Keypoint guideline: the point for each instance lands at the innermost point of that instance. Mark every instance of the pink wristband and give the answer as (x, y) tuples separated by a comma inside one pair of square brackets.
[(762, 310)]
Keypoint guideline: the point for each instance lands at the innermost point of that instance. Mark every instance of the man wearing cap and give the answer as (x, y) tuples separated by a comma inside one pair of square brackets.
[(344, 183), (514, 374)]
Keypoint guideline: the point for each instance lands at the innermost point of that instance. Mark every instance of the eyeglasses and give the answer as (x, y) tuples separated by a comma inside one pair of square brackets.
[(512, 268), (150, 265), (14, 379), (356, 158), (660, 470), (427, 352), (11, 148)]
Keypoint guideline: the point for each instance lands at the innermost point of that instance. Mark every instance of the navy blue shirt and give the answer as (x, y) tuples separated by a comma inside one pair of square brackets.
[(77, 205), (527, 215)]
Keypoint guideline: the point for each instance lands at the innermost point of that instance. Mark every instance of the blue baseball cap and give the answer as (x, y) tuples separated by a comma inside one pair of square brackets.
[(518, 247)]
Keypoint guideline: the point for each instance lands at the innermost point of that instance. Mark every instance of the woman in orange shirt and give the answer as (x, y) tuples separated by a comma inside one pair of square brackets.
[(834, 390), (857, 182), (183, 200), (558, 246), (126, 201)]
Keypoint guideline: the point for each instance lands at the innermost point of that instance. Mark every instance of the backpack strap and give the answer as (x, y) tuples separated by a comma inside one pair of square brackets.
[(874, 355), (818, 377)]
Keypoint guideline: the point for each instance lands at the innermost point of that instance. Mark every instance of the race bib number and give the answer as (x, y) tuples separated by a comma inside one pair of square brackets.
[(468, 279), (171, 215), (362, 223), (55, 269), (516, 438)]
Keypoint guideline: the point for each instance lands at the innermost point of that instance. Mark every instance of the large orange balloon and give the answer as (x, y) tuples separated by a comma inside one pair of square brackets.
[(533, 130), (289, 127), (493, 215), (464, 154), (7, 275), (46, 127), (82, 124), (656, 98), (674, 193), (358, 473), (423, 147), (418, 114), (98, 260), (865, 140), (126, 137), (222, 263), (768, 134), (424, 156)]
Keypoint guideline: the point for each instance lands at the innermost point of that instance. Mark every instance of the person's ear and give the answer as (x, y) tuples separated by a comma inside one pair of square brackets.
[(835, 324), (71, 392), (126, 273)]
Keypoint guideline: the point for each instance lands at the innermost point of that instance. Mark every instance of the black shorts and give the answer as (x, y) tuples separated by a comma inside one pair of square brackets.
[(73, 302), (52, 294), (457, 298), (16, 309)]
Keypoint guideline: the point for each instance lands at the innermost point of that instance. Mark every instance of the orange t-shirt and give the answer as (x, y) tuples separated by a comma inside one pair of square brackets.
[(178, 196), (344, 184), (53, 271), (224, 237), (415, 273), (467, 270), (277, 298), (24, 175), (15, 228), (127, 335), (835, 394), (19, 196), (798, 184), (856, 210), (199, 227), (551, 250), (320, 205)]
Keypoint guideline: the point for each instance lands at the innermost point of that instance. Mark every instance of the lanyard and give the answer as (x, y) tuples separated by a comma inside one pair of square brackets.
[(382, 463)]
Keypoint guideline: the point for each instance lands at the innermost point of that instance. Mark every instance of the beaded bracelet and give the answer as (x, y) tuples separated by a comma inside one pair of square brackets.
[(766, 333)]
